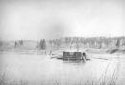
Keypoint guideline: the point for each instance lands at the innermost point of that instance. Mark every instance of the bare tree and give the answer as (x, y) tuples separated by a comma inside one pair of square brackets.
[(42, 44)]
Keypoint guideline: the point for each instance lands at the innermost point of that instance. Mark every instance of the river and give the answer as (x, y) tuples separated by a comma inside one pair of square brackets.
[(34, 69)]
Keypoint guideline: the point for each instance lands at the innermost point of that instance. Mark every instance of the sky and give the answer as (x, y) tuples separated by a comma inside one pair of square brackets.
[(36, 19)]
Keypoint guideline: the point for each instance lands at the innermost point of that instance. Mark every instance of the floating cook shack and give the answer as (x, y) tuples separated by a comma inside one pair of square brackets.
[(73, 55)]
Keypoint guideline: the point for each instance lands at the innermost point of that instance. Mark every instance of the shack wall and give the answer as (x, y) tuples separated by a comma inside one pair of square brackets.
[(75, 55)]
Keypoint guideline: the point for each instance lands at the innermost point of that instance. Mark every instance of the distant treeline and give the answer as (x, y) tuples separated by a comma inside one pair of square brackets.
[(93, 42), (67, 42)]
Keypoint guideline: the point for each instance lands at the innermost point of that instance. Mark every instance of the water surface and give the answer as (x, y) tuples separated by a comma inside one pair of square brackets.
[(41, 69)]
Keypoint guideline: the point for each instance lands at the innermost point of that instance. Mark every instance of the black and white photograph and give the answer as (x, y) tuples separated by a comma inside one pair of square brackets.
[(62, 42)]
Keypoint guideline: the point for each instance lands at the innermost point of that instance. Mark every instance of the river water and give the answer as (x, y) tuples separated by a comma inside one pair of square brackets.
[(34, 69)]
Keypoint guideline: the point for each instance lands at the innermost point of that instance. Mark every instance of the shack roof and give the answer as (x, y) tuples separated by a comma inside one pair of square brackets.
[(73, 51)]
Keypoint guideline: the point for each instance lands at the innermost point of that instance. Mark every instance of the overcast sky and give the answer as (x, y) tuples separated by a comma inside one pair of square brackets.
[(35, 19)]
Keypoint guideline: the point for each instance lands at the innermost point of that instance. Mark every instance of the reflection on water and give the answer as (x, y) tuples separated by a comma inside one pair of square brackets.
[(74, 62), (37, 69)]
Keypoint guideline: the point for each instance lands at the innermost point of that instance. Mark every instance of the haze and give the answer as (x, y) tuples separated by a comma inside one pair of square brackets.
[(36, 19)]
